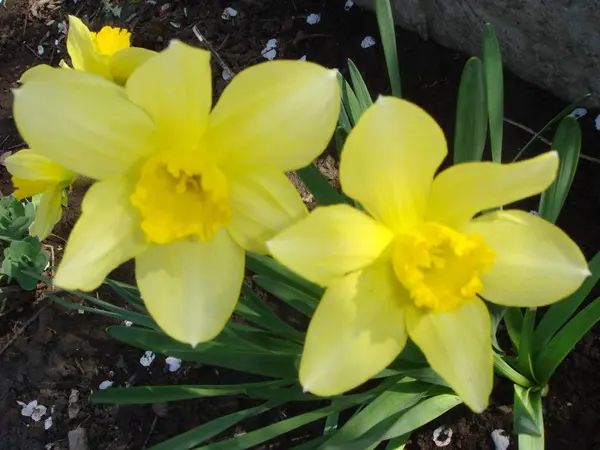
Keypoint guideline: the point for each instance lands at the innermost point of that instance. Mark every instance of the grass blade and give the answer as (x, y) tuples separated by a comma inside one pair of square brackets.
[(331, 424), (298, 300), (525, 353), (494, 86), (565, 340), (527, 411), (471, 114), (567, 142), (513, 319), (360, 88), (349, 100), (315, 181), (385, 20), (129, 295), (559, 313), (504, 369), (398, 443)]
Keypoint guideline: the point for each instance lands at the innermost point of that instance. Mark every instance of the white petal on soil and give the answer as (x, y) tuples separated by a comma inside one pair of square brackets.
[(38, 413), (367, 42), (128, 323), (442, 436), (28, 408), (175, 25), (597, 121), (302, 58), (40, 50), (105, 384), (533, 212), (226, 74), (228, 13), (174, 364), (313, 19), (47, 423), (500, 439), (21, 403), (349, 4), (147, 358), (579, 112), (62, 27), (269, 54)]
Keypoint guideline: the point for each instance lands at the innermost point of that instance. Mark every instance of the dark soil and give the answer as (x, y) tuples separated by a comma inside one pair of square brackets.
[(61, 351)]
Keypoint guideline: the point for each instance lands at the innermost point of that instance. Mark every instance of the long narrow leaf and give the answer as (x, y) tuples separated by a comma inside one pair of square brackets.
[(513, 319), (360, 88), (128, 293), (494, 86), (398, 443), (567, 142), (527, 411), (296, 299), (504, 369), (559, 313), (471, 114), (385, 20), (565, 340), (349, 100), (315, 181), (526, 343)]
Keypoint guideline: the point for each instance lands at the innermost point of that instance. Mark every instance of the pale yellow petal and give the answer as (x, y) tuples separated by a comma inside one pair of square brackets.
[(464, 190), (36, 71), (263, 202), (536, 262), (175, 89), (458, 346), (357, 330), (280, 112), (31, 165), (191, 287), (83, 123), (48, 213), (106, 235), (82, 52), (331, 242), (389, 160), (124, 62)]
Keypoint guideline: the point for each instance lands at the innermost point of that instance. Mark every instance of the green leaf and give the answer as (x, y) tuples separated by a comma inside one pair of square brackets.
[(331, 424), (559, 313), (527, 411), (315, 181), (513, 319), (565, 340), (506, 370), (349, 100), (471, 114), (128, 293), (398, 443), (525, 353), (341, 134), (296, 299), (160, 394), (344, 124), (15, 217), (496, 314), (267, 266), (282, 365), (196, 436), (567, 142), (385, 20), (360, 88), (494, 86)]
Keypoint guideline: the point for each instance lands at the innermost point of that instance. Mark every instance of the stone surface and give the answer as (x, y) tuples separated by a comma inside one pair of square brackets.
[(552, 43), (78, 439)]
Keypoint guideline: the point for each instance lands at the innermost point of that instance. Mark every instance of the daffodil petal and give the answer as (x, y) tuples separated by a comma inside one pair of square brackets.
[(191, 287), (48, 213), (263, 202), (124, 62), (279, 112), (462, 191), (81, 50), (31, 165), (457, 345), (536, 262), (106, 235), (389, 160), (82, 122), (331, 242), (356, 332), (35, 71), (175, 89)]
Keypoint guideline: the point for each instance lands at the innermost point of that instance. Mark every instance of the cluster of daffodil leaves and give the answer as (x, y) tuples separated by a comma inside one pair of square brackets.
[(185, 188)]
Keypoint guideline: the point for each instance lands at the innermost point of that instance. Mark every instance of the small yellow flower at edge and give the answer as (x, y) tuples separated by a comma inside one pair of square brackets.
[(415, 265), (32, 174), (182, 189)]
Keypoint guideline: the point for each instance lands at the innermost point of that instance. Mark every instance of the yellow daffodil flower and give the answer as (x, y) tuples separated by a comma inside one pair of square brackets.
[(415, 265), (182, 189), (32, 174), (107, 53)]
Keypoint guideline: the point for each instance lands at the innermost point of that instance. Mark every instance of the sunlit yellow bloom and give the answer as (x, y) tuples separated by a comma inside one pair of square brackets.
[(32, 174), (416, 263), (182, 189), (107, 53)]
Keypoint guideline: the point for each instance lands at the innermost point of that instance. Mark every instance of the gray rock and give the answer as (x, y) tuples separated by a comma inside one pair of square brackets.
[(78, 439), (553, 43)]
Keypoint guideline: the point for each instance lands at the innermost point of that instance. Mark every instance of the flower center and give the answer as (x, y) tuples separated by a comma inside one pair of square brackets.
[(109, 40), (440, 267), (181, 195)]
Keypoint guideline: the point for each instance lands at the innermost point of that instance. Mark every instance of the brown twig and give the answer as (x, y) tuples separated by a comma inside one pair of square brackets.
[(20, 331), (150, 432), (204, 41)]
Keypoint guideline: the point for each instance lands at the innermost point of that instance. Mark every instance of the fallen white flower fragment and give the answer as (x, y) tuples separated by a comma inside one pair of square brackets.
[(47, 423), (105, 384), (147, 358), (270, 50), (302, 58), (40, 50), (128, 323), (62, 27), (175, 25), (313, 19), (597, 121), (349, 4), (228, 13), (579, 112), (33, 410), (367, 42), (442, 436), (226, 74), (500, 439), (173, 364)]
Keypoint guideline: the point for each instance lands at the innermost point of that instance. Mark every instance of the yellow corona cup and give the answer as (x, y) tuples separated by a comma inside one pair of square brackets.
[(182, 189), (416, 263)]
